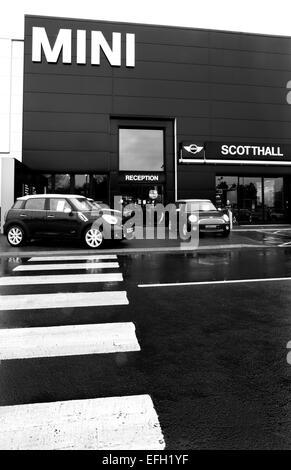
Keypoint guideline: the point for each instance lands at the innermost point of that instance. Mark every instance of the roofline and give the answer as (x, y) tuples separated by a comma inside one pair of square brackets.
[(156, 25), (193, 200), (33, 196)]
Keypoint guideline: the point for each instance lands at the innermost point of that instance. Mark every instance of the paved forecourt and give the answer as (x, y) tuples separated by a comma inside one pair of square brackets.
[(113, 422)]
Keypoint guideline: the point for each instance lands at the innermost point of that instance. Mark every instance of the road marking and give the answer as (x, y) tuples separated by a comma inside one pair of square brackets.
[(60, 279), (55, 267), (62, 300), (285, 244), (68, 340), (71, 258), (201, 283), (114, 423)]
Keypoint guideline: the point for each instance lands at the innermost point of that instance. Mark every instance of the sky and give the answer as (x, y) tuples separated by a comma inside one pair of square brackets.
[(255, 16)]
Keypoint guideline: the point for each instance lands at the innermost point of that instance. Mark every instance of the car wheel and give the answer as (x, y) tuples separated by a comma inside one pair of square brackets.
[(15, 236), (93, 237)]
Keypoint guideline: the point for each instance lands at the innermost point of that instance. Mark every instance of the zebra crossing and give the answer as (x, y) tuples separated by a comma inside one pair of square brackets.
[(118, 422)]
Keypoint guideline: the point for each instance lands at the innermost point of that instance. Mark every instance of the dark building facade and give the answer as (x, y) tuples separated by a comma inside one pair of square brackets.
[(147, 111)]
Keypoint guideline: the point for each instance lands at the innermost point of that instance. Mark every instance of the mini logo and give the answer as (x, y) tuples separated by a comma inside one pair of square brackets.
[(193, 148)]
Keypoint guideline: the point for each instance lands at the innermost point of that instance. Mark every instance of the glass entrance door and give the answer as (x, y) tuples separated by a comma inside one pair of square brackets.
[(142, 194)]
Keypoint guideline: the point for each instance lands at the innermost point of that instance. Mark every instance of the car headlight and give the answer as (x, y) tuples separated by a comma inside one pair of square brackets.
[(82, 216), (225, 217), (192, 218), (110, 219)]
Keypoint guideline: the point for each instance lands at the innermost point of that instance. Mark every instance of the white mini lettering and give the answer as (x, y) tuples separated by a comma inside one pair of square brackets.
[(63, 44), (81, 47), (113, 54)]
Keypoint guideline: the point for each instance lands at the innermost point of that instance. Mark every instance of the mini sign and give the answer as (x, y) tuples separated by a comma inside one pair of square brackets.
[(63, 47), (191, 151)]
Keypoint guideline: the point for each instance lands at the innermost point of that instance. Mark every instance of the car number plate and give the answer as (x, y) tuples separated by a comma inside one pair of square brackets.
[(209, 226)]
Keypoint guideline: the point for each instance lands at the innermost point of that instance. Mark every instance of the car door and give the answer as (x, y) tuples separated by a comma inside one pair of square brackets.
[(61, 219), (33, 215)]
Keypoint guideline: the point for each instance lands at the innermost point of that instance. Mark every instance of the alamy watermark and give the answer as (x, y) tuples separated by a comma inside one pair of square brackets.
[(151, 221)]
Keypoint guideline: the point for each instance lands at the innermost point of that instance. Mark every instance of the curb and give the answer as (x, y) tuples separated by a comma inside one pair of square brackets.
[(125, 251)]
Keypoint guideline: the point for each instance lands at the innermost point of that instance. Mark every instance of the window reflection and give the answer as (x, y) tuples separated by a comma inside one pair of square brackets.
[(62, 183), (141, 150), (82, 185), (274, 199), (252, 199)]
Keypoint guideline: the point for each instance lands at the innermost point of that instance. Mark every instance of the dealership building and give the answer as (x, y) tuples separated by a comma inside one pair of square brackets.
[(146, 113)]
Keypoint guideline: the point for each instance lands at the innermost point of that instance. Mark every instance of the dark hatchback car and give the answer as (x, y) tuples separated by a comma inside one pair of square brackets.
[(60, 216), (202, 214)]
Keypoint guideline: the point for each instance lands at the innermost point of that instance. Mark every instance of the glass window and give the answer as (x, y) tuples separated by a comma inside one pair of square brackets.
[(36, 204), (226, 191), (274, 200), (203, 206), (253, 199), (62, 184), (141, 150), (58, 205), (48, 183), (82, 204), (82, 185), (17, 205), (99, 189)]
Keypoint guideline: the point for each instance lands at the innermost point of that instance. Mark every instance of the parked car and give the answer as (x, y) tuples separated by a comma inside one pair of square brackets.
[(60, 215), (203, 213)]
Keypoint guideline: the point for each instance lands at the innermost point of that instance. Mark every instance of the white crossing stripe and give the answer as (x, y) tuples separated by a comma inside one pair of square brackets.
[(55, 267), (60, 279), (62, 300), (71, 258), (68, 340), (114, 423)]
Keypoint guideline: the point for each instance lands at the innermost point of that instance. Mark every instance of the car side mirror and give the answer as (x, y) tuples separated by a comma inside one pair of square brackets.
[(67, 210)]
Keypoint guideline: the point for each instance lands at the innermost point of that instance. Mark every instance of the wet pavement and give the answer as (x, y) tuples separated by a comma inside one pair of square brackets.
[(240, 237), (212, 357)]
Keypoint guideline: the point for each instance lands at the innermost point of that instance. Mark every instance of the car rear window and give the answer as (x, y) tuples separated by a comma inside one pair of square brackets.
[(36, 204)]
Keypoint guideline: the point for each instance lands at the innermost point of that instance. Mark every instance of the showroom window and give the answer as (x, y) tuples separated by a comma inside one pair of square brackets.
[(141, 149), (252, 199), (82, 184), (62, 183), (94, 186)]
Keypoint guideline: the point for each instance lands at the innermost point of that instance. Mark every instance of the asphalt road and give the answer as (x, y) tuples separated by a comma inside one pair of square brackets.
[(212, 356)]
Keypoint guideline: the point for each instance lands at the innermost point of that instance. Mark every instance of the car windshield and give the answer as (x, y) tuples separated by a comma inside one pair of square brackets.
[(201, 206), (206, 206), (82, 204)]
